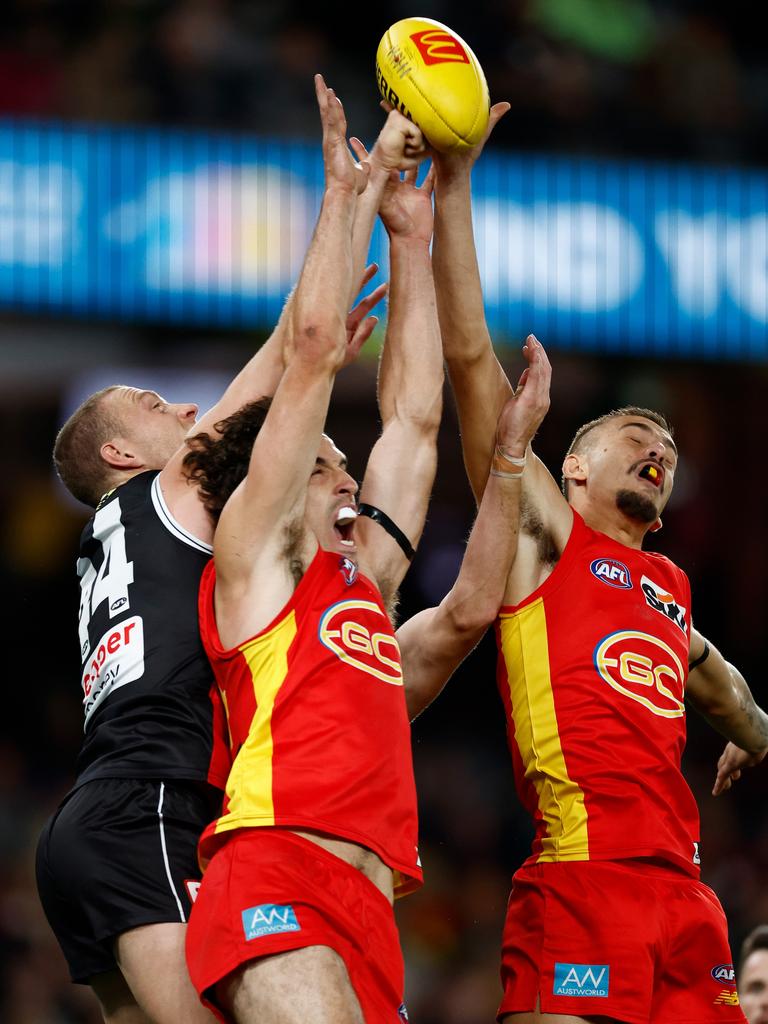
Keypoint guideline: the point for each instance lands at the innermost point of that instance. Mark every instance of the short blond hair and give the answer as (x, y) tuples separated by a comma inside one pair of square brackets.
[(76, 451), (626, 410)]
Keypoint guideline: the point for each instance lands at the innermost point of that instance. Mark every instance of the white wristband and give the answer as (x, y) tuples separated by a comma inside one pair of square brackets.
[(510, 458)]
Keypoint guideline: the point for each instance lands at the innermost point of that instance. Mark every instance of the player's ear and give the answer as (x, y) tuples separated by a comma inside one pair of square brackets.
[(120, 455), (575, 467)]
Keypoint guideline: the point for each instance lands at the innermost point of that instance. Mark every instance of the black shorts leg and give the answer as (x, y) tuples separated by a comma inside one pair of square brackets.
[(117, 854)]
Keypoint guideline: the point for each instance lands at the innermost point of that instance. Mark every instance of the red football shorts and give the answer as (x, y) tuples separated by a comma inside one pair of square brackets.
[(631, 940), (268, 890)]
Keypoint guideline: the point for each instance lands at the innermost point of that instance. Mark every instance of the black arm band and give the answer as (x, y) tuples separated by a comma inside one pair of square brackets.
[(392, 529), (702, 657)]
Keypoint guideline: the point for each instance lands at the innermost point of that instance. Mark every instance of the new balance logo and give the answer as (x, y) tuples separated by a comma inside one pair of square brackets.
[(727, 997), (269, 919), (581, 980)]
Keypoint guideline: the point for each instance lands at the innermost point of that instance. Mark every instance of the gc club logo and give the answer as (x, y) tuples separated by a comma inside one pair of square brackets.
[(360, 634), (612, 572), (643, 668)]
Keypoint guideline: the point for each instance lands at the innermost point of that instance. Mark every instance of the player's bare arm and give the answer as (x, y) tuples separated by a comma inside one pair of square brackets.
[(400, 146), (479, 382), (261, 375), (253, 536), (401, 468), (434, 642), (720, 693)]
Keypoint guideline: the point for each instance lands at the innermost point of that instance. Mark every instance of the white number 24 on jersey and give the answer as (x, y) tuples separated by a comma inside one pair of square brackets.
[(110, 583)]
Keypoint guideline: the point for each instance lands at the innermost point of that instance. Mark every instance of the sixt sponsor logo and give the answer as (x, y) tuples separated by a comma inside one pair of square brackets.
[(724, 974), (612, 572), (582, 980), (658, 599), (269, 919)]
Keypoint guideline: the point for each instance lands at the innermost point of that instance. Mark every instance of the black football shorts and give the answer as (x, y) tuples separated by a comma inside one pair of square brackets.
[(117, 854)]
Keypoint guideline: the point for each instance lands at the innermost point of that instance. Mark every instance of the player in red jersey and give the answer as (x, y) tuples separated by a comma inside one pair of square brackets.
[(293, 920), (118, 904), (607, 919)]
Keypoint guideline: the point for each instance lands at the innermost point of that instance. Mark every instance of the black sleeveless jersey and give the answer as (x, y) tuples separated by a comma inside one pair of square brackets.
[(146, 680)]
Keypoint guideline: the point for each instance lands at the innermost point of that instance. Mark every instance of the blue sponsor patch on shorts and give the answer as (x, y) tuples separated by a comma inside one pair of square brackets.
[(581, 980), (269, 919)]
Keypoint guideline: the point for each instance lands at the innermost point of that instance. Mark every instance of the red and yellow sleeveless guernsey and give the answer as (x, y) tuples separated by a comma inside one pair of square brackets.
[(318, 727), (592, 669)]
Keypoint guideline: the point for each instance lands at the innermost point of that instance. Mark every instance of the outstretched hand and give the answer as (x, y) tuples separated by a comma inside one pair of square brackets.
[(457, 161), (523, 412), (359, 325), (405, 208), (729, 767), (340, 166)]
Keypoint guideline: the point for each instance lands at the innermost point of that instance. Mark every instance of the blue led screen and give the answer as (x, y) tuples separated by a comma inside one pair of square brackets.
[(198, 229)]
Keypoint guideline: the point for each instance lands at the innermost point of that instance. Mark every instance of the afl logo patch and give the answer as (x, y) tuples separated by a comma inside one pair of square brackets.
[(724, 974), (612, 572), (348, 570)]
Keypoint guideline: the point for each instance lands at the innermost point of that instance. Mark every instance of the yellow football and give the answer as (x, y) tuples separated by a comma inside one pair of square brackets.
[(430, 74)]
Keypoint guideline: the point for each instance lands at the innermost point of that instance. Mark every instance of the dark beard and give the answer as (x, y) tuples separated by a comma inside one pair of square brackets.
[(635, 506)]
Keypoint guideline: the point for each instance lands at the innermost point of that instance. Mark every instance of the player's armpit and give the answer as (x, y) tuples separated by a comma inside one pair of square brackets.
[(546, 505)]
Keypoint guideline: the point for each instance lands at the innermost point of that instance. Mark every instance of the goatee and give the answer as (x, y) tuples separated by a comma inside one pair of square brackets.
[(637, 507)]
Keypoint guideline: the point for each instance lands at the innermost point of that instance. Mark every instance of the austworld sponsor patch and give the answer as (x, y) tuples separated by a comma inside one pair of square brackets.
[(269, 919), (582, 980)]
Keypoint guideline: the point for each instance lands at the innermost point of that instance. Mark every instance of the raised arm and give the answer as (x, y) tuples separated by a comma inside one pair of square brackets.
[(478, 380), (399, 146), (262, 373), (719, 692), (401, 468), (434, 642), (254, 578)]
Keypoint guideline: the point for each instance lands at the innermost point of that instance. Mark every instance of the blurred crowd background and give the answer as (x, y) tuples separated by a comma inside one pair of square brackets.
[(673, 79), (677, 78)]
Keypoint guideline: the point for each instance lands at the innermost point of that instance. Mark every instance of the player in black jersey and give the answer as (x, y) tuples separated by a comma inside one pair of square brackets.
[(116, 863)]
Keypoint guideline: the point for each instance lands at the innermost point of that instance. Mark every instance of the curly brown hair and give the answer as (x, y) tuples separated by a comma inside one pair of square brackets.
[(218, 464)]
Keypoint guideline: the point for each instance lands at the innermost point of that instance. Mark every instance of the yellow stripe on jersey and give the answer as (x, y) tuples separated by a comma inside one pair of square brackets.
[(249, 786), (561, 802)]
